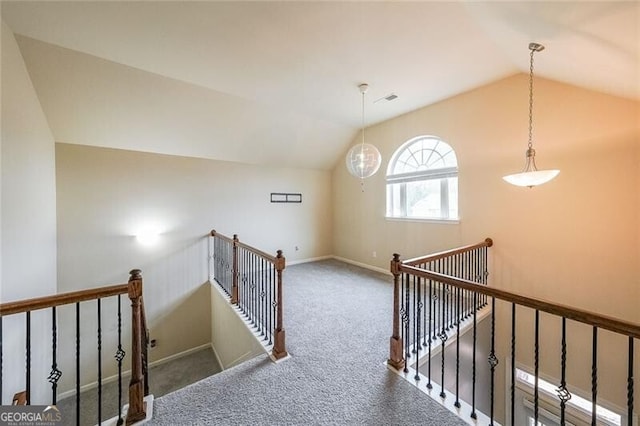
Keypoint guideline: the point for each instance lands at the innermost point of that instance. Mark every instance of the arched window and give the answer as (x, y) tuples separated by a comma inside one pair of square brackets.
[(422, 180)]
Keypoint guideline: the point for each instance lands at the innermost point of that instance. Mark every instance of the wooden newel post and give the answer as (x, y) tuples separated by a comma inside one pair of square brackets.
[(137, 406), (234, 275), (279, 350), (396, 358)]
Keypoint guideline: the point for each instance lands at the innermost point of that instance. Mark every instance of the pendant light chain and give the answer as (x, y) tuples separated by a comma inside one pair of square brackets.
[(531, 100), (530, 175)]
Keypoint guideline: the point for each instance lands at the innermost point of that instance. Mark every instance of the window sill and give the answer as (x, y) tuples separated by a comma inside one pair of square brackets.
[(423, 220)]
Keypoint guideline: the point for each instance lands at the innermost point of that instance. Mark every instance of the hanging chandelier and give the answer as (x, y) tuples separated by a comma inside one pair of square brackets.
[(531, 176), (363, 160)]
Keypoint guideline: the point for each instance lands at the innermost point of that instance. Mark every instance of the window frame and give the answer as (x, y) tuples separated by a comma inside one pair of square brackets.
[(442, 174)]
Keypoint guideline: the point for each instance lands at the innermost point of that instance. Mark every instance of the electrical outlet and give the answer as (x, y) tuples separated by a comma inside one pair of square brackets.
[(153, 343), (297, 248)]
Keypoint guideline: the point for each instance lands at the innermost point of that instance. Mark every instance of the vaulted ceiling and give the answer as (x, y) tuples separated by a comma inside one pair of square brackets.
[(276, 82)]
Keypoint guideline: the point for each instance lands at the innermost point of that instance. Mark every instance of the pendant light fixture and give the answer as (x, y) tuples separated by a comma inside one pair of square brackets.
[(363, 160), (531, 176)]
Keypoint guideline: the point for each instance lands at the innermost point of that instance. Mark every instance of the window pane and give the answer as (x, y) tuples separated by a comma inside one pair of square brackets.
[(394, 204), (423, 199), (453, 198)]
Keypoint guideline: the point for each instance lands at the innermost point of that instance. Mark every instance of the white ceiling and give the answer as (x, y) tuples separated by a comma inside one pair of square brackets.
[(281, 77)]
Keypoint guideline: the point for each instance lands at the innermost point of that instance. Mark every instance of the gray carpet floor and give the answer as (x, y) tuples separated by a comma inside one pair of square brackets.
[(166, 378), (338, 323)]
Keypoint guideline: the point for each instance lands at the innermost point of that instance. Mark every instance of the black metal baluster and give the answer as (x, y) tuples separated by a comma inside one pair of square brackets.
[(594, 377), (405, 319), (513, 364), (263, 298), (443, 338), (120, 354), (416, 325), (630, 385), (431, 324), (457, 403), (493, 360), (473, 358), (436, 305), (415, 299), (425, 296), (99, 361), (55, 374), (563, 393), (28, 358), (274, 303), (536, 363), (254, 291), (78, 363)]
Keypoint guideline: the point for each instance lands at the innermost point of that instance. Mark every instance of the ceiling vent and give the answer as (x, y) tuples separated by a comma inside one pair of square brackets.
[(390, 97)]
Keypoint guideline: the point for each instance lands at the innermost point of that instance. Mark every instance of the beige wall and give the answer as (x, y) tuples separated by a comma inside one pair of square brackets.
[(106, 195), (574, 240), (231, 339), (28, 212)]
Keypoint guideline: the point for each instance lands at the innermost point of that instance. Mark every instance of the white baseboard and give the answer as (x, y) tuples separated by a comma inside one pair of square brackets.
[(362, 265), (310, 259), (127, 373)]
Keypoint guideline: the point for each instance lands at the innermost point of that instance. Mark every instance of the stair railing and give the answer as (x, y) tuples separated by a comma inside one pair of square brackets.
[(419, 286), (138, 386), (252, 279)]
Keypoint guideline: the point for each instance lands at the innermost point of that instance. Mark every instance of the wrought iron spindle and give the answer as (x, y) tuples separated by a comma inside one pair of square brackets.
[(431, 325), (263, 294), (405, 319), (563, 393), (457, 403), (120, 354), (78, 363), (436, 305), (473, 358), (55, 374), (443, 338), (418, 312), (513, 364), (99, 361), (493, 360), (630, 385), (416, 323), (274, 304), (536, 363), (594, 376), (425, 296), (28, 357)]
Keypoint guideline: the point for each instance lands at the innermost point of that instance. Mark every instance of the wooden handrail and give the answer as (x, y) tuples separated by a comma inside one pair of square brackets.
[(601, 321), (234, 240), (488, 242), (213, 233), (26, 305), (257, 252)]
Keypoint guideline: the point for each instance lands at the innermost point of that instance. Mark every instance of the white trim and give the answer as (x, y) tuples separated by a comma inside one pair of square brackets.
[(309, 260), (362, 265), (127, 373), (463, 413)]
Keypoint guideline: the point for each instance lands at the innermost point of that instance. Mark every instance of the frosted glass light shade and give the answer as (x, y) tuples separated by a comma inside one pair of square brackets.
[(363, 160), (531, 178)]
